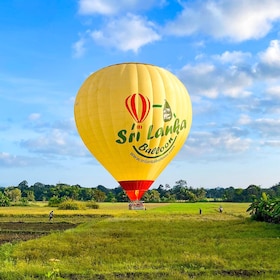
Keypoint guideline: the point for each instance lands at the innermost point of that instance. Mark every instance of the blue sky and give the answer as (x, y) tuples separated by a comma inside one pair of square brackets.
[(227, 53)]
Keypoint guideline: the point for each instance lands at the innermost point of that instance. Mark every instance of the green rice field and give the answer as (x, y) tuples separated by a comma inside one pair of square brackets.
[(166, 241)]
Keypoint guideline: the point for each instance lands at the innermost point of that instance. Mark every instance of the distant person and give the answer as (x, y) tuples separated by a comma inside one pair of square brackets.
[(221, 209), (200, 211), (51, 216)]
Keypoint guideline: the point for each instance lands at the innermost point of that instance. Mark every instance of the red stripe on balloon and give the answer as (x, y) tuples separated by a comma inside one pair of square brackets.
[(131, 105), (136, 189), (145, 107)]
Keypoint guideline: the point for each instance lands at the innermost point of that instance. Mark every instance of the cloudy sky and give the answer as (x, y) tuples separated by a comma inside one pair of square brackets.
[(227, 53)]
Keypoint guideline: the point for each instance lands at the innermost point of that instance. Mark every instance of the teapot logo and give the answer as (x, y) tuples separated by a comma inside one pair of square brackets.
[(167, 112)]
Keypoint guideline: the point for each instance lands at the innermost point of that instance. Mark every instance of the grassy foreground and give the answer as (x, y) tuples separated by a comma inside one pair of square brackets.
[(168, 241)]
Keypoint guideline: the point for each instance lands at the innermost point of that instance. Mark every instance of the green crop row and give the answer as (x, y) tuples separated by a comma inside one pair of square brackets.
[(167, 241)]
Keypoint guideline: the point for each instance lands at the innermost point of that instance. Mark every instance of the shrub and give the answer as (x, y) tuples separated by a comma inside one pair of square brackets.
[(92, 205), (71, 205), (4, 200), (55, 201), (265, 209)]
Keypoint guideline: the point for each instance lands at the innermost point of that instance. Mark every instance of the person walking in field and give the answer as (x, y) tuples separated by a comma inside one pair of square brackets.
[(51, 216)]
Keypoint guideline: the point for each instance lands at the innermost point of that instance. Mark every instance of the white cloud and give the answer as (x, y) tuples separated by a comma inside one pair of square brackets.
[(79, 47), (237, 21), (34, 116), (268, 67), (6, 157), (271, 143), (197, 79), (234, 57), (8, 160), (265, 127), (271, 56), (112, 7), (127, 33), (246, 20), (216, 144), (244, 120), (97, 7), (274, 91), (234, 144), (268, 122), (55, 142), (211, 81)]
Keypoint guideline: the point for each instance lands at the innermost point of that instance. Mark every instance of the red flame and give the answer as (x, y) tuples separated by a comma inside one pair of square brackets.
[(138, 106)]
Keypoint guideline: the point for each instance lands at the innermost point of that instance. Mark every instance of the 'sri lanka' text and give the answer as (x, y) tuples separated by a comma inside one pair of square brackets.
[(130, 136)]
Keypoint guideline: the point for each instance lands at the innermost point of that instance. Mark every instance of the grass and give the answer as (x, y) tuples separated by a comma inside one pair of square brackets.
[(168, 241)]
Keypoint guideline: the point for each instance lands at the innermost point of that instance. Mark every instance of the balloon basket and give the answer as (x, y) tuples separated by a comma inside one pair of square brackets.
[(136, 205)]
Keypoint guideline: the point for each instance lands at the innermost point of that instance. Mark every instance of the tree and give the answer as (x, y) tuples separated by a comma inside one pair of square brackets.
[(30, 195), (86, 194), (152, 196), (14, 194), (99, 196), (229, 194), (165, 193), (74, 191), (216, 193), (41, 191), (182, 183), (200, 193), (276, 189), (252, 193), (4, 200), (121, 195), (23, 185), (190, 196), (238, 195), (110, 197), (168, 197), (179, 192)]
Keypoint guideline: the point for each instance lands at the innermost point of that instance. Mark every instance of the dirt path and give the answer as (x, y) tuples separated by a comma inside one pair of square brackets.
[(21, 231)]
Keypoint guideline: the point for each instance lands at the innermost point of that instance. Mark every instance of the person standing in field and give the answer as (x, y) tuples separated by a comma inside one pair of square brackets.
[(51, 216)]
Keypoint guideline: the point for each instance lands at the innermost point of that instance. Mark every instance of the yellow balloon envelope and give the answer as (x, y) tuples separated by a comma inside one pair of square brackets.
[(134, 118)]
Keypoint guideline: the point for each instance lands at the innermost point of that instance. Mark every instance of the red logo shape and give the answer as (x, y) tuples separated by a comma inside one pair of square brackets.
[(138, 106)]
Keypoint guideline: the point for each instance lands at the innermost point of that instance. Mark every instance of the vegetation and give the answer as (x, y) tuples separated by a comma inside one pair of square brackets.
[(168, 241), (55, 194), (71, 205), (266, 209), (77, 205), (4, 200)]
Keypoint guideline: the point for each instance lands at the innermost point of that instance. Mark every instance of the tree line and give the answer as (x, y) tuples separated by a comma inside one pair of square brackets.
[(55, 194)]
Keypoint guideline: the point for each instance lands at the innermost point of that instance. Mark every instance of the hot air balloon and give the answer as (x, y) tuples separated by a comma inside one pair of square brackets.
[(134, 118)]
